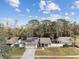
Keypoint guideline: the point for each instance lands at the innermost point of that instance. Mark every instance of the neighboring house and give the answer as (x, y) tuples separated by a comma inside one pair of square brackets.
[(65, 40), (77, 42), (61, 41), (14, 42), (45, 42)]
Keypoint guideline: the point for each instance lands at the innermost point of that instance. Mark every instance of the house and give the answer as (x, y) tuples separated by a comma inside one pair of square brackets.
[(14, 42), (44, 42), (61, 41), (65, 40), (31, 42), (77, 41), (54, 40)]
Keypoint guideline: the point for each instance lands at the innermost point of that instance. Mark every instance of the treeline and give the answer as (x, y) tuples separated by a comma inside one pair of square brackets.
[(47, 28), (44, 28)]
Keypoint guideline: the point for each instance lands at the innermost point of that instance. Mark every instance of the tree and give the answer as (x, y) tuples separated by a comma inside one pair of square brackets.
[(33, 24), (54, 29), (74, 33), (1, 27), (64, 27), (40, 31), (4, 49), (46, 27)]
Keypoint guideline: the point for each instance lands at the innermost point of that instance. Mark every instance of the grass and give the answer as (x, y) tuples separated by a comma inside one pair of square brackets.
[(46, 52), (69, 51), (57, 52), (57, 58), (15, 58), (16, 52)]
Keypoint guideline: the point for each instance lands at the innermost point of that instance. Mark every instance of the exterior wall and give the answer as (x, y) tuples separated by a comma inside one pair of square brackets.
[(35, 46), (49, 45), (44, 45), (12, 45), (21, 45), (57, 45)]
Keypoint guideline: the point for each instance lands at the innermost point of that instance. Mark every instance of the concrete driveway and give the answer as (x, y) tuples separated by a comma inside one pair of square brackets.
[(29, 53)]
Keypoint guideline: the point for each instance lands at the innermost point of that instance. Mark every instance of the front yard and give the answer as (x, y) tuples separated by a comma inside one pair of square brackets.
[(16, 53), (57, 52), (58, 58)]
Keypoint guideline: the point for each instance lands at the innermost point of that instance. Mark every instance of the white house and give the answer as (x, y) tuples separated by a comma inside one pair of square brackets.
[(65, 40), (14, 42), (45, 42), (31, 42)]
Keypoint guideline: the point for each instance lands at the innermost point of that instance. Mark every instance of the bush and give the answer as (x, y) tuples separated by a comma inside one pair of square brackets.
[(65, 45)]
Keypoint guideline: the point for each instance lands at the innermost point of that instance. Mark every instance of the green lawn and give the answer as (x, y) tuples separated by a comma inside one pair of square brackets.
[(15, 57), (69, 51), (57, 58), (57, 52), (16, 52)]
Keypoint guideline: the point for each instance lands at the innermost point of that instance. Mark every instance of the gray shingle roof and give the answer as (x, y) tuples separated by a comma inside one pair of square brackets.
[(12, 40), (64, 40), (45, 40), (30, 39)]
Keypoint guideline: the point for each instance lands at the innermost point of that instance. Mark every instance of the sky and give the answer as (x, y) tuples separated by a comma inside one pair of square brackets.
[(25, 10)]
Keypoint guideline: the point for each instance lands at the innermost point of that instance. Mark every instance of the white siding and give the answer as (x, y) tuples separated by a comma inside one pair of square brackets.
[(56, 45)]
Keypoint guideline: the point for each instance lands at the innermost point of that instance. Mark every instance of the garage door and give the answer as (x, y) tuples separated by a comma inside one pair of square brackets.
[(31, 46)]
